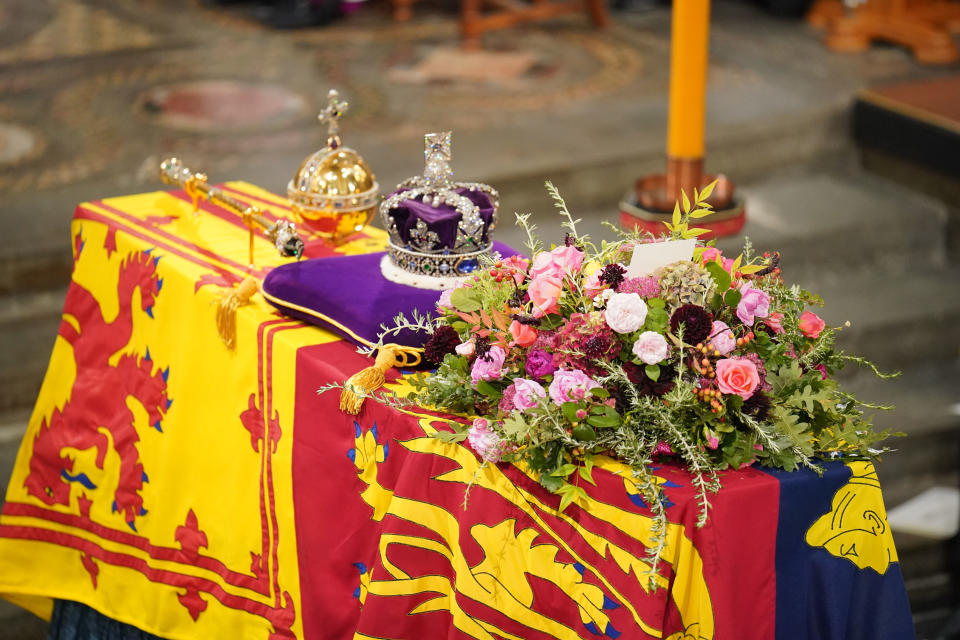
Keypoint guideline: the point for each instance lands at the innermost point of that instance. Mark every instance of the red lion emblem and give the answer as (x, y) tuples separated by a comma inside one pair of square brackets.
[(91, 413)]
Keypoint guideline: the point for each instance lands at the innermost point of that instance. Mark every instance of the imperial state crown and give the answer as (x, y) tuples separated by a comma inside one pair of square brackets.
[(438, 229), (334, 193)]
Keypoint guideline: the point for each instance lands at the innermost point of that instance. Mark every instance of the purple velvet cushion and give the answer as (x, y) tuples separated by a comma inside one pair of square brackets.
[(348, 295)]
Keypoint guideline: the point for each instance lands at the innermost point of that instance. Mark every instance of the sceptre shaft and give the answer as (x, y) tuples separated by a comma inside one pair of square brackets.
[(282, 233)]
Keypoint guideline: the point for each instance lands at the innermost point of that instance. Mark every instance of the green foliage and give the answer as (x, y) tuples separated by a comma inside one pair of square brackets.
[(466, 300), (719, 275)]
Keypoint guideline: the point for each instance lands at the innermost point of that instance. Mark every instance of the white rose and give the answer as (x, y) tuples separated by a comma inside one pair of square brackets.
[(625, 312), (651, 347)]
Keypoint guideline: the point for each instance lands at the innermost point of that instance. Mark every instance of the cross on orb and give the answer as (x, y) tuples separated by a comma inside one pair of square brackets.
[(330, 116)]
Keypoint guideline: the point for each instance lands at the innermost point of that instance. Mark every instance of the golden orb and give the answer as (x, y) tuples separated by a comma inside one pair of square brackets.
[(334, 193)]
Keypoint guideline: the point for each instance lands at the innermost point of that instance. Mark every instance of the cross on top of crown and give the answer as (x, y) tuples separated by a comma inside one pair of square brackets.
[(436, 157), (331, 114)]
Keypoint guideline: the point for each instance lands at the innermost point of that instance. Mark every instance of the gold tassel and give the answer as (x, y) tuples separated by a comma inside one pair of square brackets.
[(227, 309), (368, 380)]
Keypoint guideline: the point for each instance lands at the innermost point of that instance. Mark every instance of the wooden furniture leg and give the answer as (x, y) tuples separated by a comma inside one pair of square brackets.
[(893, 21)]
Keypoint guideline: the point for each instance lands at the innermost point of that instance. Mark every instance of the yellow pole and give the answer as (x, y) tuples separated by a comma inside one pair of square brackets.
[(689, 41)]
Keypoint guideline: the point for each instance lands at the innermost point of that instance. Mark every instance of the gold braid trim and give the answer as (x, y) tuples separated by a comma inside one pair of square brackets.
[(372, 378), (227, 309)]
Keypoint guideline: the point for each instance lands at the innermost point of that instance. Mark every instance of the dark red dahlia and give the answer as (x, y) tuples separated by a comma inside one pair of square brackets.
[(696, 322), (647, 387), (757, 405), (443, 341), (612, 274)]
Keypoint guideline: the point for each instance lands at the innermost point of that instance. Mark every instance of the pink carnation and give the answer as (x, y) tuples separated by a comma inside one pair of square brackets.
[(570, 385)]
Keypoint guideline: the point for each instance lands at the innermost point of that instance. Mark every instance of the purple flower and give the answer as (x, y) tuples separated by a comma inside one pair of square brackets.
[(485, 441), (539, 364), (754, 303), (570, 385), (527, 393), (488, 366)]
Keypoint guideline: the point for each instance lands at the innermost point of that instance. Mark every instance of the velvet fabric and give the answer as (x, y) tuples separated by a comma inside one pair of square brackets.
[(349, 295), (442, 220)]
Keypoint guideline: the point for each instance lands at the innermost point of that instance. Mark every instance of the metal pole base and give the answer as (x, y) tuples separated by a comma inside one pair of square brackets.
[(650, 206)]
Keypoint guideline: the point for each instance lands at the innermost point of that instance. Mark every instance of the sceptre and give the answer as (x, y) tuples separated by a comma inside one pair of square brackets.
[(282, 233)]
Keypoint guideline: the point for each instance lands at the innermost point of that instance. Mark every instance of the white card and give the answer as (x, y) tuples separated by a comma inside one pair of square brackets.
[(647, 258)]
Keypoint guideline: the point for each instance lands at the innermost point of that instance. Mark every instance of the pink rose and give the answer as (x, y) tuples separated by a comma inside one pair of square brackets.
[(711, 437), (528, 394), (713, 254), (737, 376), (466, 349), (625, 312), (485, 441), (544, 292), (570, 385), (823, 371), (592, 285), (490, 366), (558, 263), (651, 347), (523, 335), (443, 302), (810, 324), (754, 303), (722, 338), (775, 322), (710, 253)]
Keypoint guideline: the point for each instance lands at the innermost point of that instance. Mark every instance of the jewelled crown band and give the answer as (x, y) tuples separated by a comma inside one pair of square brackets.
[(439, 229)]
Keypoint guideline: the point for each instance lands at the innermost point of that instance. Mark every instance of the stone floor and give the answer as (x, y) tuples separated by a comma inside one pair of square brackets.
[(94, 93)]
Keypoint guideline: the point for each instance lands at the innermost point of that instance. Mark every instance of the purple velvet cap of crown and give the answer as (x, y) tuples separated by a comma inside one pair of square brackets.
[(350, 292), (442, 220)]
